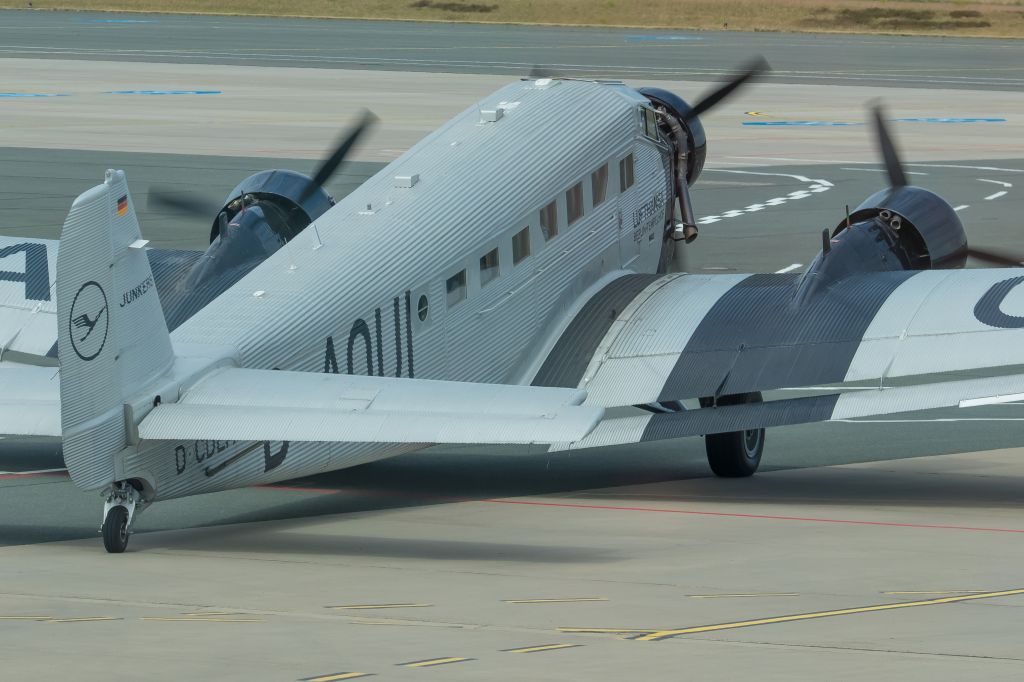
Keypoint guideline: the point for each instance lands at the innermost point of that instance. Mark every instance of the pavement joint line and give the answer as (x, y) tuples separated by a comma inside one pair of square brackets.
[(658, 635), (39, 618), (565, 600), (537, 649), (335, 676), (356, 607), (430, 662), (738, 595)]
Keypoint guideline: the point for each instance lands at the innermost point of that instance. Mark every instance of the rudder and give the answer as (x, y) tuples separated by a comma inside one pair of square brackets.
[(112, 338)]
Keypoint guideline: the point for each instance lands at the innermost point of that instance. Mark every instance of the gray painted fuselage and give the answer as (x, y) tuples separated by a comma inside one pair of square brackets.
[(366, 290)]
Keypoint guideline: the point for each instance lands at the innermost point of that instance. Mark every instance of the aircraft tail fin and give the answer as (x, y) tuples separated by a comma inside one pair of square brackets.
[(112, 337)]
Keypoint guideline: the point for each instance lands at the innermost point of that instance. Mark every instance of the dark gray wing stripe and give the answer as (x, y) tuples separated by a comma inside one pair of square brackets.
[(761, 335), (576, 346), (740, 417)]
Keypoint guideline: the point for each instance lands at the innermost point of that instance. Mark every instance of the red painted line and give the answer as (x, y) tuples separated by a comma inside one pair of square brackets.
[(651, 510), (769, 517)]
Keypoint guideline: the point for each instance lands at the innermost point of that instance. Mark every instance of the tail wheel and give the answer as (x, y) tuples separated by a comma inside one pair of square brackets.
[(115, 530), (736, 454)]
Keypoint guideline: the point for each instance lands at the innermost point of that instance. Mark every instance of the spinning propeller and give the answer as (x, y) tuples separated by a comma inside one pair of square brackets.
[(160, 198), (755, 68), (898, 178)]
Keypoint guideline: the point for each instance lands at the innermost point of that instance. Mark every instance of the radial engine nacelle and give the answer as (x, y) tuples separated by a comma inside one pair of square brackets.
[(924, 232), (288, 201)]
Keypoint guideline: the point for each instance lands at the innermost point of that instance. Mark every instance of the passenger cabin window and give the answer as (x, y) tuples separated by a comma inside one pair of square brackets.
[(488, 267), (626, 173), (520, 245), (549, 221), (599, 184), (574, 202), (456, 287)]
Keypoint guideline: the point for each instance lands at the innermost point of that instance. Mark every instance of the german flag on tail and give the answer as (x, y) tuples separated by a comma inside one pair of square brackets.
[(122, 206)]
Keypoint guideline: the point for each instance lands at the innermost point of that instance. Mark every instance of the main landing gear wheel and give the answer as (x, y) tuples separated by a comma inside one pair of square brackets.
[(736, 454), (115, 530)]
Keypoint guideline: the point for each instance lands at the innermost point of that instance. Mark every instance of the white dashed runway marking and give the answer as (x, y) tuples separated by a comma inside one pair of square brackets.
[(814, 186)]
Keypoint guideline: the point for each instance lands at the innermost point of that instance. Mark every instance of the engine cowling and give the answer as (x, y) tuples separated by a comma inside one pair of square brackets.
[(281, 195), (927, 231), (902, 228)]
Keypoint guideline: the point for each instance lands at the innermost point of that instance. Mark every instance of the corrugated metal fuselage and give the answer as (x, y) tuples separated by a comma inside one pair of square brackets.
[(376, 286)]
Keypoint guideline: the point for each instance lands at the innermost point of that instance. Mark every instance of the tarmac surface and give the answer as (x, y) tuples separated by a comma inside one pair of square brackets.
[(876, 549), (903, 61)]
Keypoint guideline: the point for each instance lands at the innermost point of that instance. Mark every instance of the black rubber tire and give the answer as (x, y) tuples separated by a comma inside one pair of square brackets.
[(115, 530), (736, 454)]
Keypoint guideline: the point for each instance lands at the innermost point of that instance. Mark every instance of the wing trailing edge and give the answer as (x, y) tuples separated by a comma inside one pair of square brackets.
[(786, 412), (250, 404)]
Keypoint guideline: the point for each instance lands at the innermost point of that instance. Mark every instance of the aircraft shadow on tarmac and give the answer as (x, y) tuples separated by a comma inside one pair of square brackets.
[(589, 478), (670, 474), (606, 477)]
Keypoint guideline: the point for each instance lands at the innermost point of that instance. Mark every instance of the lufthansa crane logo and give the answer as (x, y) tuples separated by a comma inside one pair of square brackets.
[(89, 321)]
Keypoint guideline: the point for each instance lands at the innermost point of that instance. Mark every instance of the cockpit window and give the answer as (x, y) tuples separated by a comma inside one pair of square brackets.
[(650, 123)]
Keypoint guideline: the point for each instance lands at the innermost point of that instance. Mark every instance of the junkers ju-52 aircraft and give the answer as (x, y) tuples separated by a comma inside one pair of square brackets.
[(504, 281)]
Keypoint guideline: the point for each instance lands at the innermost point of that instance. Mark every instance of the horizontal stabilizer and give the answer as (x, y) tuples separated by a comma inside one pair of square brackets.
[(249, 404), (29, 400), (816, 408)]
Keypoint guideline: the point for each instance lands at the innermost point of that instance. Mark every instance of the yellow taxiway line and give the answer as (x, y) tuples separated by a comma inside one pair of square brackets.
[(543, 647), (565, 600), (355, 607), (654, 636), (335, 676), (604, 631), (80, 620), (203, 620), (730, 596), (434, 661)]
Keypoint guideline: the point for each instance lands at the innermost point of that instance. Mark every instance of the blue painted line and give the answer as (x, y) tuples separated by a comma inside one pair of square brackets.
[(951, 120), (644, 39), (800, 123), (828, 124), (164, 92), (33, 94)]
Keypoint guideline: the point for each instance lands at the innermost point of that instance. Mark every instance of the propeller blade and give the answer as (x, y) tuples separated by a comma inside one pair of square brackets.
[(344, 146), (538, 72), (994, 258), (897, 178), (755, 68), (162, 199)]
